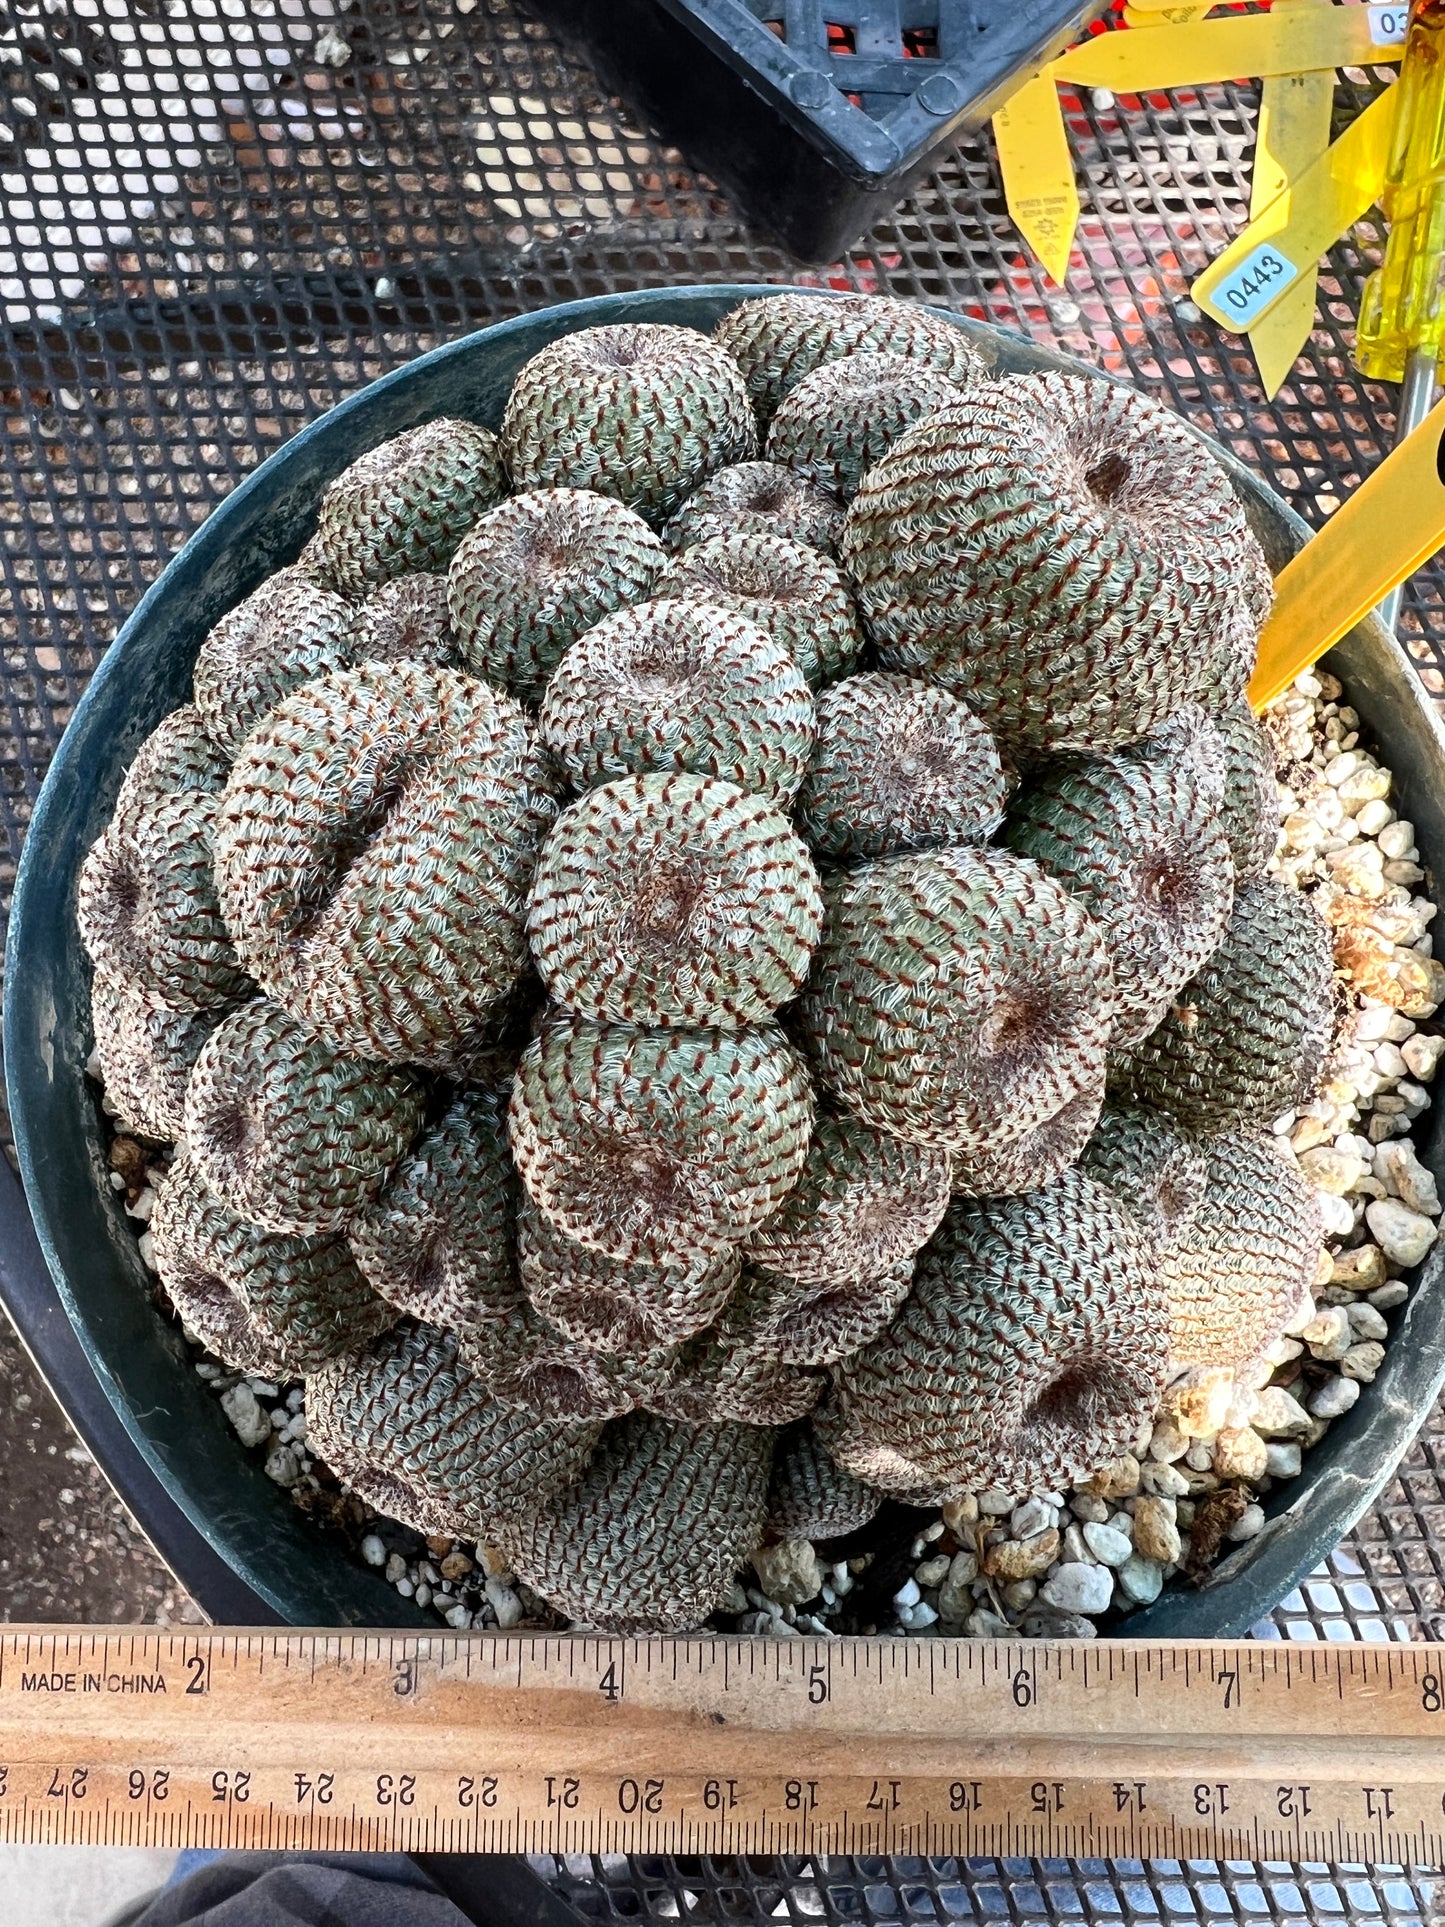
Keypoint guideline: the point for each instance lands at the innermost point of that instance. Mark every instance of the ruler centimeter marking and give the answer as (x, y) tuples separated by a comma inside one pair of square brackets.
[(519, 1743)]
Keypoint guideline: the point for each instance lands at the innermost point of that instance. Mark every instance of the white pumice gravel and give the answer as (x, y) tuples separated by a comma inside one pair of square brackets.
[(995, 1564)]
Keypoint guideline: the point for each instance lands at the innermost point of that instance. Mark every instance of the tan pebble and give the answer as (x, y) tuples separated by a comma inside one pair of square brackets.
[(1328, 1333), (1197, 1402), (1240, 1454), (1365, 785), (1398, 1167), (455, 1566), (1360, 868), (1115, 1481), (961, 1513), (1168, 1442), (1422, 985), (1302, 1314), (1156, 1536), (1091, 1510), (1075, 1549), (1242, 1408), (955, 1595), (1363, 1361), (1164, 1481), (1022, 1558), (1362, 1269), (790, 1572), (492, 1561), (1280, 1416), (1309, 1132), (1422, 1055), (1303, 831), (1328, 1169)]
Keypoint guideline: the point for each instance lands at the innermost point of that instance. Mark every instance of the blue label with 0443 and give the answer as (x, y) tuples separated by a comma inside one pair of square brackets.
[(1254, 285)]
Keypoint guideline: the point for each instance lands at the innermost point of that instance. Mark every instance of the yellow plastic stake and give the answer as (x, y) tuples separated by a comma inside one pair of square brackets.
[(1293, 132), (1214, 50), (1394, 522), (1301, 224), (1036, 161), (1037, 165)]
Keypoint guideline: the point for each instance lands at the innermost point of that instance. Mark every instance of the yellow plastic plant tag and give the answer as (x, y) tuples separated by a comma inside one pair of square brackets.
[(1037, 165), (1392, 523), (1299, 225), (1293, 132), (1166, 13), (1213, 50)]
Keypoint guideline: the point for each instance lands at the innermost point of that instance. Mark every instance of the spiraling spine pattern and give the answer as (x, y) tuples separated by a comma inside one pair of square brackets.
[(674, 899), (659, 1146)]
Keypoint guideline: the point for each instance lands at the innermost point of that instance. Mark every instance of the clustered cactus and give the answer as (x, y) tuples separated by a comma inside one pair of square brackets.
[(708, 958)]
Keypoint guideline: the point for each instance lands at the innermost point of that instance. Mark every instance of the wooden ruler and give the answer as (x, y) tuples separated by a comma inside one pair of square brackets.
[(518, 1743)]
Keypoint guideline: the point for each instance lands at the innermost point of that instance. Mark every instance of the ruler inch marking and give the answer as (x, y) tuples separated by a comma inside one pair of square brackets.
[(1142, 1750)]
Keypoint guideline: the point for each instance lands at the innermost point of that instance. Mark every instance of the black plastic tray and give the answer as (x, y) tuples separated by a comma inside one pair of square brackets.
[(818, 116)]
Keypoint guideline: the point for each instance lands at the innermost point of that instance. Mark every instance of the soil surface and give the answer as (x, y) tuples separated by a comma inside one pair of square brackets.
[(69, 1550)]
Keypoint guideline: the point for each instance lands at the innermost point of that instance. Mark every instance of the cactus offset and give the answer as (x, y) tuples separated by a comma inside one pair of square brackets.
[(286, 633), (263, 1301), (437, 1242), (1032, 1349), (1057, 534), (405, 505), (288, 1134), (604, 1304), (648, 1539), (540, 570), (1245, 1040), (681, 685), (148, 911), (778, 340), (837, 421), (899, 765), (659, 1146), (674, 899), (959, 997), (375, 846), (757, 498), (638, 411), (409, 1427), (786, 588)]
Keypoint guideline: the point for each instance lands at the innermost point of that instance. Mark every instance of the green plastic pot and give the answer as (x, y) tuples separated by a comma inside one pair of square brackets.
[(60, 1134)]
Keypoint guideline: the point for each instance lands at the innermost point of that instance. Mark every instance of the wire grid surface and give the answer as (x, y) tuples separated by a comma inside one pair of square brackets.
[(218, 217)]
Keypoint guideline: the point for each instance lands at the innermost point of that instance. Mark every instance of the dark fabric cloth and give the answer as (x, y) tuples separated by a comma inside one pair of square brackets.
[(303, 1890)]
